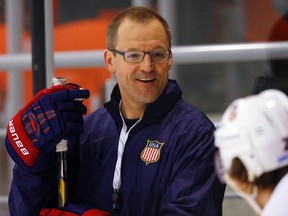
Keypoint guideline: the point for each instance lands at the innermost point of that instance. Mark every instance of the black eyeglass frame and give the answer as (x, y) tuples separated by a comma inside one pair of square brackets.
[(149, 52)]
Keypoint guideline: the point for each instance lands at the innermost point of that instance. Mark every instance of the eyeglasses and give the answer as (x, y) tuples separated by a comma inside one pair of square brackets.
[(138, 56)]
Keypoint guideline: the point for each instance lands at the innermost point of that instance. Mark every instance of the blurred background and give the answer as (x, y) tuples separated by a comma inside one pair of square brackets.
[(230, 46)]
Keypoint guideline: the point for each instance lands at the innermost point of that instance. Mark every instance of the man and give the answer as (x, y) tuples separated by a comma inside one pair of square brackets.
[(146, 152), (252, 140)]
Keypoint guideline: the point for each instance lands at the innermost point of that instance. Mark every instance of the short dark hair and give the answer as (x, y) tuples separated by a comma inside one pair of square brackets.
[(266, 180), (137, 14)]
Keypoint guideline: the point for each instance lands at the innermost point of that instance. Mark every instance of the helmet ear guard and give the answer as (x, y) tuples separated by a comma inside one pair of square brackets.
[(233, 143), (255, 129)]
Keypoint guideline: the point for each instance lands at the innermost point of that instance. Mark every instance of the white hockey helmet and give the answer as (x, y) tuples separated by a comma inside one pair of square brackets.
[(255, 130)]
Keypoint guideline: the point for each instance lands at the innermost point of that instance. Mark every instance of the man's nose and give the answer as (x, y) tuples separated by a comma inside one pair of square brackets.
[(147, 64)]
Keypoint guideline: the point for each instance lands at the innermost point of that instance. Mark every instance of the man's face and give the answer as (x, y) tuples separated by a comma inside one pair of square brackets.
[(140, 83)]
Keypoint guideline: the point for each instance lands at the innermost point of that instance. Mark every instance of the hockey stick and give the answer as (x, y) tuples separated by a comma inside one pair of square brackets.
[(62, 159)]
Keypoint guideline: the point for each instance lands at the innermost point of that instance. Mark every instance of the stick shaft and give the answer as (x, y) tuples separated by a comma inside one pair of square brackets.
[(62, 178), (62, 158)]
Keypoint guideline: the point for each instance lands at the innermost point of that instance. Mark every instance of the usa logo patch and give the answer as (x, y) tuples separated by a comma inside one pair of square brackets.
[(151, 153)]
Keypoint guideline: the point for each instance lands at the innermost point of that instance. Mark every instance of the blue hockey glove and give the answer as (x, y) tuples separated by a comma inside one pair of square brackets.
[(53, 114)]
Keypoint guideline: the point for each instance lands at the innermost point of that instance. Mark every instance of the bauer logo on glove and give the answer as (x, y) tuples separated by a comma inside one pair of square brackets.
[(15, 138)]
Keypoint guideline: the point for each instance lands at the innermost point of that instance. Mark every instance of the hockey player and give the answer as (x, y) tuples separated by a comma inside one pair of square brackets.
[(145, 153), (253, 151)]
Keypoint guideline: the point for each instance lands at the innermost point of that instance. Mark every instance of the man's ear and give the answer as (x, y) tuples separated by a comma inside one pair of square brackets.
[(108, 57), (170, 60)]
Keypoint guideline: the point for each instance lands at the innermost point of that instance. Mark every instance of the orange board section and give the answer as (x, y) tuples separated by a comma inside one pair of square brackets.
[(260, 16), (88, 34)]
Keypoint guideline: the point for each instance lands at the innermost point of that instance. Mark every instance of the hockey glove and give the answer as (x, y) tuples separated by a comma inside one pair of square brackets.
[(53, 114), (73, 210)]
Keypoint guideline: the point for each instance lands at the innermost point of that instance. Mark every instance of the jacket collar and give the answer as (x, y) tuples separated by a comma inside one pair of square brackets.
[(159, 108)]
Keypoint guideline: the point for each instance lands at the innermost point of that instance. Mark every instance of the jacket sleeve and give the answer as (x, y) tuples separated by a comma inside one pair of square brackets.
[(195, 188), (30, 192)]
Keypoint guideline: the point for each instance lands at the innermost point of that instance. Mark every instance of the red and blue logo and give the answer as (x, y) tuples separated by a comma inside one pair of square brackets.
[(34, 124), (151, 152)]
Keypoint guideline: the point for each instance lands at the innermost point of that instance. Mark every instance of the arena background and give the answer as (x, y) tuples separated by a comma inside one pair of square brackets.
[(208, 83)]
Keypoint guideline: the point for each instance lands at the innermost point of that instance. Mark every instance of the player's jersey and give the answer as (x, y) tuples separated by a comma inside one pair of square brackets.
[(277, 203), (167, 165)]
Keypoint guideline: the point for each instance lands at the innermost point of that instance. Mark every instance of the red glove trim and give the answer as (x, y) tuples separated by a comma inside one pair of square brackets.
[(96, 212), (55, 212), (44, 92), (20, 141), (58, 212)]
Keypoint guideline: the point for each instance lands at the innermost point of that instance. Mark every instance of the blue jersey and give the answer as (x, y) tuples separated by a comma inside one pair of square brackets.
[(167, 165)]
